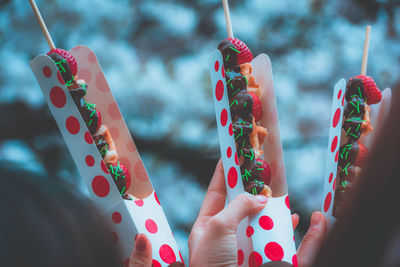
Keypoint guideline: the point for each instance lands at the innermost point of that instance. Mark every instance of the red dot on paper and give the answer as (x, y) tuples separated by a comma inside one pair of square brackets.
[(230, 129), (156, 263), (100, 186), (339, 94), (266, 222), (232, 177), (46, 71), (113, 111), (58, 97), (140, 171), (224, 117), (216, 65), (139, 202), (337, 156), (114, 132), (336, 118), (240, 256), (131, 146), (180, 256), (85, 75), (91, 57), (101, 83), (88, 138), (236, 159), (327, 202), (343, 100), (59, 78), (151, 226), (167, 254), (72, 125), (219, 90), (116, 217), (334, 144), (114, 236), (294, 261), (223, 72), (273, 251), (287, 202), (156, 197), (229, 152), (249, 231), (104, 167), (89, 160), (330, 177), (334, 184), (255, 259)]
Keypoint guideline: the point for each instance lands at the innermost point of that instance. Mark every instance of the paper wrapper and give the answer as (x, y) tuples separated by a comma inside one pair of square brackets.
[(268, 235), (127, 217), (378, 114)]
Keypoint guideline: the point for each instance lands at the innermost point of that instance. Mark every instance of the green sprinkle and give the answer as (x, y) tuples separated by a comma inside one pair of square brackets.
[(234, 101), (348, 130), (123, 189), (254, 191), (229, 81), (345, 168), (246, 80), (245, 104), (260, 169), (359, 90), (227, 58), (237, 51), (90, 122), (259, 163), (353, 135), (358, 127)]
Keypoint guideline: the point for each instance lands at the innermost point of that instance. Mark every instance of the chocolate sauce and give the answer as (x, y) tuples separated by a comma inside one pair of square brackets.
[(229, 53), (101, 144), (63, 67), (119, 177), (241, 107)]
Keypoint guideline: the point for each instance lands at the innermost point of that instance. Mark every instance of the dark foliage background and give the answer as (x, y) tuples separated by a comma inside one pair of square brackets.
[(155, 56)]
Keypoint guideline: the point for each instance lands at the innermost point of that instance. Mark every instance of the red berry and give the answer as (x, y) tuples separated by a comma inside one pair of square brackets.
[(362, 155), (257, 107), (371, 91), (266, 172), (245, 55), (68, 57), (99, 116)]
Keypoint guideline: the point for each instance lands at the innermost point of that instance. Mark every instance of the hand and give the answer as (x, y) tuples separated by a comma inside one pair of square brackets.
[(141, 255), (312, 240), (213, 240)]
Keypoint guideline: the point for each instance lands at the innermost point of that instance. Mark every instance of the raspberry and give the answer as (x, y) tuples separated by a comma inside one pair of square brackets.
[(265, 174), (257, 107), (68, 57), (371, 91), (244, 55), (362, 155)]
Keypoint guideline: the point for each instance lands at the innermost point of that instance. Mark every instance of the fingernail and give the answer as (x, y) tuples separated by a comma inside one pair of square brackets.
[(315, 219), (262, 199), (140, 242)]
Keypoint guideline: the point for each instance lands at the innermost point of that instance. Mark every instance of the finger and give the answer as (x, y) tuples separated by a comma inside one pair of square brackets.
[(312, 240), (214, 201), (242, 206), (295, 220), (141, 255)]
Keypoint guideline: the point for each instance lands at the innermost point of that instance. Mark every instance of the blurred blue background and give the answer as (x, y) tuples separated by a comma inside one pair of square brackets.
[(155, 56)]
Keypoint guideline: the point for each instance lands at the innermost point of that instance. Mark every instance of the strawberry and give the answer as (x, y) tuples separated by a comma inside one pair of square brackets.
[(265, 174), (244, 55), (371, 91), (362, 155), (257, 107), (68, 57), (121, 176)]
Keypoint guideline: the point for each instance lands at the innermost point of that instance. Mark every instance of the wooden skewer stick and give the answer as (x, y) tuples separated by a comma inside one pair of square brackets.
[(42, 24), (366, 48), (227, 18)]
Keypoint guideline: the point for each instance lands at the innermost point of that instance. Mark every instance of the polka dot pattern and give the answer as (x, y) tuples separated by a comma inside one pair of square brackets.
[(255, 259), (224, 117), (151, 226), (58, 97), (274, 251), (89, 161), (219, 90), (336, 117), (334, 144), (249, 231), (240, 257), (229, 152), (232, 177), (327, 202), (266, 222)]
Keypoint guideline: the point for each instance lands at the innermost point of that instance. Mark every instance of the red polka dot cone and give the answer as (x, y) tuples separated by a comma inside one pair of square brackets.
[(127, 217), (268, 235)]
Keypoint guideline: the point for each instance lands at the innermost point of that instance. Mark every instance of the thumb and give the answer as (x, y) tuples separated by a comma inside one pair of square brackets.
[(141, 255), (312, 240), (241, 207)]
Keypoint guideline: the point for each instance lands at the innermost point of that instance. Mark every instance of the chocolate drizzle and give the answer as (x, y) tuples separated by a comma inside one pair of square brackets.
[(353, 115), (63, 67), (241, 107), (119, 177), (101, 144)]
